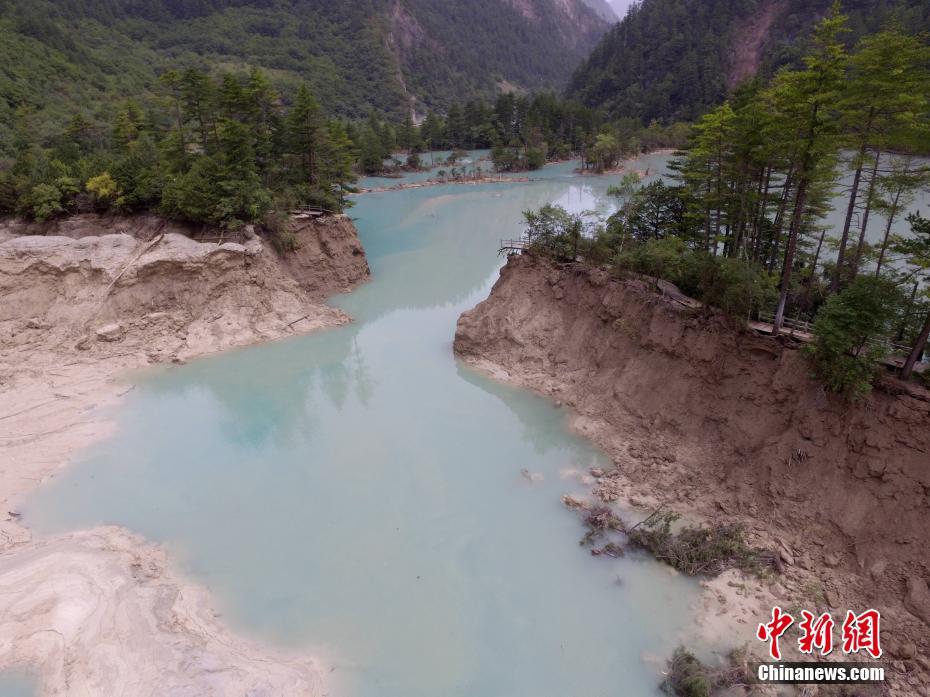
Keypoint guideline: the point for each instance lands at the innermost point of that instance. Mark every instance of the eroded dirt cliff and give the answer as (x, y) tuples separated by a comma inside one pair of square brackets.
[(720, 423), (143, 284)]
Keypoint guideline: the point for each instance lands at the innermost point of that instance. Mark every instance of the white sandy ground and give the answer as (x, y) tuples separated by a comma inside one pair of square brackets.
[(100, 612)]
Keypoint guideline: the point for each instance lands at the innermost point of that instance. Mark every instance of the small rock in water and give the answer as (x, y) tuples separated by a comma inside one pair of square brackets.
[(573, 502), (531, 476)]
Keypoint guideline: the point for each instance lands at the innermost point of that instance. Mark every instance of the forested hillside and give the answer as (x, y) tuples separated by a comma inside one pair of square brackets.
[(675, 59), (65, 55)]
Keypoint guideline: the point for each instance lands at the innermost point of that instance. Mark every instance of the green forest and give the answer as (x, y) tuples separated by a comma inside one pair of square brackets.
[(231, 149), (62, 55), (670, 59), (743, 227)]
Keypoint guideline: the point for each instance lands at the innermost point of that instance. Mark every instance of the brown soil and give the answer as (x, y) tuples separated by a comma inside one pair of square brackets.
[(725, 425), (99, 612), (749, 42)]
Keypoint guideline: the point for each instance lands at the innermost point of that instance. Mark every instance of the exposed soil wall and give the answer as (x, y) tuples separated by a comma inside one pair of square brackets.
[(143, 284), (722, 423), (329, 257)]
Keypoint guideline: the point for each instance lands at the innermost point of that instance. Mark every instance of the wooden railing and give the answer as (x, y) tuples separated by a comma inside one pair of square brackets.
[(512, 246), (796, 324)]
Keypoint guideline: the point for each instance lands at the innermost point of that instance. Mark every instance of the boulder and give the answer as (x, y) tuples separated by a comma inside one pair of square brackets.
[(110, 332), (917, 600)]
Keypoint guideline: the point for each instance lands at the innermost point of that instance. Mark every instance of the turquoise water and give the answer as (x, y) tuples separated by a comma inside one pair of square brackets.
[(357, 493), (16, 684)]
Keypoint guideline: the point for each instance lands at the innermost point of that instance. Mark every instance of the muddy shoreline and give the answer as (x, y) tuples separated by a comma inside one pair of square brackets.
[(86, 302), (723, 425)]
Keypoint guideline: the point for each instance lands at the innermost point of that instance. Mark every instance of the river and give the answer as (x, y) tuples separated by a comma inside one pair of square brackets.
[(357, 493)]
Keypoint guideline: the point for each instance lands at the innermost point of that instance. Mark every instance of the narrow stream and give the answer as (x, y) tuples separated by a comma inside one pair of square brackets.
[(358, 493)]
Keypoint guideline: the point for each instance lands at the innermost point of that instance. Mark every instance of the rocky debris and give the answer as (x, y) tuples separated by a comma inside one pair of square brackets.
[(917, 600), (110, 332)]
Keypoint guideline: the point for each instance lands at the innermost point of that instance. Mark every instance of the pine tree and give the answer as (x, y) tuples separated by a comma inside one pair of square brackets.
[(307, 134), (801, 100), (883, 100)]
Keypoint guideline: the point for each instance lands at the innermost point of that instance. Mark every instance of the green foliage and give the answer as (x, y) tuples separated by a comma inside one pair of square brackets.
[(673, 59), (659, 258), (849, 335), (655, 211), (44, 201), (535, 158), (686, 676), (555, 232), (210, 151), (63, 55), (731, 285), (104, 190)]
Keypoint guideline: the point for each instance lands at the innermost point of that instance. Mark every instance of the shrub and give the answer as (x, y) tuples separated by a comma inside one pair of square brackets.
[(282, 238), (104, 190), (657, 258), (730, 285), (535, 158), (850, 335), (687, 676), (698, 550), (735, 287), (45, 201)]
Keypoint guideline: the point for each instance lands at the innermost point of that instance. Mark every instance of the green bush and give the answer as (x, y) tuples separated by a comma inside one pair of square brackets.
[(850, 335), (730, 285), (535, 158), (44, 202), (686, 676)]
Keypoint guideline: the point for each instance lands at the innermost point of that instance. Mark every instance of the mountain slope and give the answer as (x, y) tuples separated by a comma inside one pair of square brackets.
[(603, 9), (673, 59), (60, 55)]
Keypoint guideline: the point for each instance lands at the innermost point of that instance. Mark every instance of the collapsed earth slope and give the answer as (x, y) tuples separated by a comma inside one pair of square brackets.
[(724, 424)]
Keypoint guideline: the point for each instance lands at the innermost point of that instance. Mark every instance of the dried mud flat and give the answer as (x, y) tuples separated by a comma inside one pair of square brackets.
[(722, 425), (100, 612)]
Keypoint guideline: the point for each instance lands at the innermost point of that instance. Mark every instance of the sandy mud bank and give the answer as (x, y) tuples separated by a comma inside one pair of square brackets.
[(99, 613)]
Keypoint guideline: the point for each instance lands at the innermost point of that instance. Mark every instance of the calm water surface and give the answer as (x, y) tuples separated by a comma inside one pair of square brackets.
[(357, 492), (14, 683)]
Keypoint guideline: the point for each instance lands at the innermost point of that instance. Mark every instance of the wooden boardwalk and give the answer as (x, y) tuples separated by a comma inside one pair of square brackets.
[(513, 246)]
